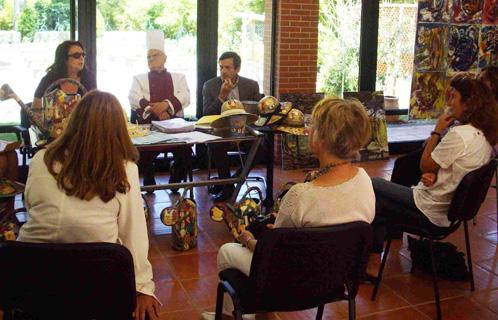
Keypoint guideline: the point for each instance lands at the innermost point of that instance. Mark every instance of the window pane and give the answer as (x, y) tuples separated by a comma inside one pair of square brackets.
[(121, 34), (29, 33), (241, 27), (397, 26), (338, 46)]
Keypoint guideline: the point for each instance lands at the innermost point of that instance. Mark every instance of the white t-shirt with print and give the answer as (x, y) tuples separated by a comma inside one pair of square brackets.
[(462, 150), (308, 205)]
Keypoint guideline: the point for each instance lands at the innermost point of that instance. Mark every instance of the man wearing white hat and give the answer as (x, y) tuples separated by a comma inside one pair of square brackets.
[(159, 95)]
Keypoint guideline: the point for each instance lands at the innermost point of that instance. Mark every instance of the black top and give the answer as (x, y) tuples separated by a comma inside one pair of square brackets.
[(87, 80)]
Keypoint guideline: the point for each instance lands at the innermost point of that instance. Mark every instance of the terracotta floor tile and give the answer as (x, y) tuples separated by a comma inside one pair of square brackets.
[(188, 314), (193, 266), (490, 264), (488, 299), (202, 291), (483, 279), (173, 296), (461, 308), (406, 313), (161, 269)]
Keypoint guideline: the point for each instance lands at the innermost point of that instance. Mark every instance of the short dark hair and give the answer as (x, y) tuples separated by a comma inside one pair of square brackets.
[(234, 56)]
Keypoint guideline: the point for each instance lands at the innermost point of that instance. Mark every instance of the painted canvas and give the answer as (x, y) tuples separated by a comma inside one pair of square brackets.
[(490, 12), (427, 98), (433, 11), (429, 47), (466, 11), (463, 47), (488, 47)]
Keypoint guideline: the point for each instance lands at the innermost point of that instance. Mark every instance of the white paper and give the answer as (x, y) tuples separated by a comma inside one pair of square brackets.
[(174, 125), (154, 137), (194, 137)]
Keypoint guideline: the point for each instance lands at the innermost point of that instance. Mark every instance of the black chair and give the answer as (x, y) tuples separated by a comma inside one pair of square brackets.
[(66, 281), (465, 204), (300, 268)]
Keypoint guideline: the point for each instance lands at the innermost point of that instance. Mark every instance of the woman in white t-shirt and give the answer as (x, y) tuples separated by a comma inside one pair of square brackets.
[(464, 148), (340, 192), (84, 188)]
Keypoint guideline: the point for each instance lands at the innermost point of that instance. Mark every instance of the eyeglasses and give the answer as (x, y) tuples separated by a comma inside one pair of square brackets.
[(153, 56), (77, 55)]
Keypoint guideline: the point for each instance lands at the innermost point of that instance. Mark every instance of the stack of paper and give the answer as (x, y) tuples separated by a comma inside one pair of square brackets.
[(174, 125), (153, 138)]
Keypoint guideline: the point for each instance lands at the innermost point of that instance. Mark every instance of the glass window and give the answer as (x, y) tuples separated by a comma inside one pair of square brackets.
[(121, 34), (338, 46), (29, 33), (397, 27), (241, 27)]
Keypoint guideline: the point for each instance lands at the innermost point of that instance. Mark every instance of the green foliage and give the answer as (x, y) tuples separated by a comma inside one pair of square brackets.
[(338, 46), (6, 15), (27, 23), (112, 12)]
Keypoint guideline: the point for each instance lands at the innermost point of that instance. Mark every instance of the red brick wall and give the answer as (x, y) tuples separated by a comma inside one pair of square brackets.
[(297, 46)]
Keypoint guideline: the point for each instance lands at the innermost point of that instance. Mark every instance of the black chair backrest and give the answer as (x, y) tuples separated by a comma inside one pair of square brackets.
[(67, 281), (471, 192), (301, 268)]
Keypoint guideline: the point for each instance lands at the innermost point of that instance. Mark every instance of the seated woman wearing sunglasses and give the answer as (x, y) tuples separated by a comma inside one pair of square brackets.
[(84, 188), (69, 63), (339, 193)]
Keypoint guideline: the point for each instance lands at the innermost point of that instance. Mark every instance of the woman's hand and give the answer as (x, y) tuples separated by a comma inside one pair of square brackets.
[(146, 305), (428, 179), (444, 121), (244, 237)]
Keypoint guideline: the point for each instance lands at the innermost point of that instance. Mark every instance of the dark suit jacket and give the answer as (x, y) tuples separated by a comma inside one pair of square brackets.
[(248, 90)]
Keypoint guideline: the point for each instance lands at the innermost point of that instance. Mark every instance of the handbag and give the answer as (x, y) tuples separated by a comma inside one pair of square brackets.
[(182, 217)]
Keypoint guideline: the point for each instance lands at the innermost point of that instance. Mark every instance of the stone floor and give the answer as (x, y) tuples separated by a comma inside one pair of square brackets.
[(186, 281)]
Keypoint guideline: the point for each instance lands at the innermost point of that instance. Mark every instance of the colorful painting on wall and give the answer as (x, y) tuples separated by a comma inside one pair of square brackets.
[(463, 47), (452, 36), (433, 11), (488, 54), (466, 11), (428, 99), (430, 47), (490, 12)]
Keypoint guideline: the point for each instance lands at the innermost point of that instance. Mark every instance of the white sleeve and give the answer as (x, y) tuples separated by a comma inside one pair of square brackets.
[(133, 231), (287, 213), (136, 93), (182, 92), (448, 150)]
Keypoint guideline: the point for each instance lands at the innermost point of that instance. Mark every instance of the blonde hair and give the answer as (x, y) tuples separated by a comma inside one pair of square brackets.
[(93, 150), (342, 125)]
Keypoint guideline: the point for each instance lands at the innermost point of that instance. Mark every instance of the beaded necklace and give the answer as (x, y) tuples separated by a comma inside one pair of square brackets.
[(327, 168)]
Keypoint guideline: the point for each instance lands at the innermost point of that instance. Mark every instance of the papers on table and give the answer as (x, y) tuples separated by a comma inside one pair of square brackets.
[(174, 125), (153, 137), (185, 137), (206, 120)]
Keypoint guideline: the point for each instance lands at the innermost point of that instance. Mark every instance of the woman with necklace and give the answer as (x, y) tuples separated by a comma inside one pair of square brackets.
[(69, 63), (339, 193)]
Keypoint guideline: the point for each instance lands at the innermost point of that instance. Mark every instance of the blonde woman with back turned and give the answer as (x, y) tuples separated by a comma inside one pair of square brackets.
[(84, 188)]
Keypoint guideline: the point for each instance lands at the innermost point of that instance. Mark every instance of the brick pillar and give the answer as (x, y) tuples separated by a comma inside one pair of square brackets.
[(297, 46)]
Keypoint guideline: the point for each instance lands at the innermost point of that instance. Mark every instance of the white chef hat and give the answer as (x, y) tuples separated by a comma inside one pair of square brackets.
[(155, 40)]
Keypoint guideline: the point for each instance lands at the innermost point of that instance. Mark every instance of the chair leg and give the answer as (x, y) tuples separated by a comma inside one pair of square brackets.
[(381, 270), (319, 312), (469, 256), (219, 302), (434, 282), (352, 309), (237, 314)]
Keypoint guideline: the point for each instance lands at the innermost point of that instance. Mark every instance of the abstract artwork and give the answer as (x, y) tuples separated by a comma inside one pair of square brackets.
[(430, 47), (427, 99), (463, 47), (488, 47), (433, 11), (466, 11), (490, 12)]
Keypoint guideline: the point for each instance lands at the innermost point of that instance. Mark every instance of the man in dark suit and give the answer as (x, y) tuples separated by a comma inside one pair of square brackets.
[(229, 85)]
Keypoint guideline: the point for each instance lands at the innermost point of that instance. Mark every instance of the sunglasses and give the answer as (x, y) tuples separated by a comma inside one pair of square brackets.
[(77, 55)]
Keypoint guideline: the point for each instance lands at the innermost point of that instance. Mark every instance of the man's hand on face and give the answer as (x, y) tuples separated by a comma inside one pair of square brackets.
[(159, 109), (226, 87)]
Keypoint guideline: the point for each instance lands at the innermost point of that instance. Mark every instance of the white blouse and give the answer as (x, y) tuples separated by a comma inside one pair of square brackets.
[(57, 217), (308, 205)]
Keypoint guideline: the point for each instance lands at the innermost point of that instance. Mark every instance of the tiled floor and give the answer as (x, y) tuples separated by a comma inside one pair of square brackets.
[(186, 281)]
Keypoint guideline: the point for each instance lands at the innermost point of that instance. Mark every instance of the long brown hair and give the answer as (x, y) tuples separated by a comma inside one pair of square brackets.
[(481, 108), (490, 74), (89, 158)]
